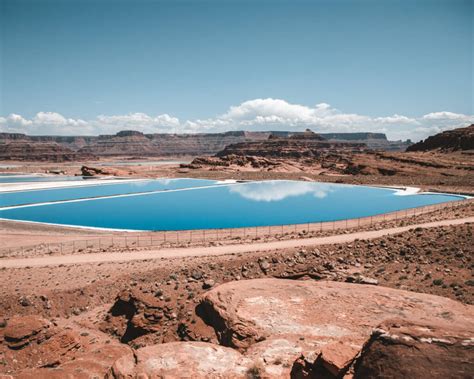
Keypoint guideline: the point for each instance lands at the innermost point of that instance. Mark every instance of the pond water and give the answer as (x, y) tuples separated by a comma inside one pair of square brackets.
[(227, 205), (97, 190)]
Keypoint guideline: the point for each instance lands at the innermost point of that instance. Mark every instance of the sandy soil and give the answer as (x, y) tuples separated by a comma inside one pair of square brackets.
[(216, 250)]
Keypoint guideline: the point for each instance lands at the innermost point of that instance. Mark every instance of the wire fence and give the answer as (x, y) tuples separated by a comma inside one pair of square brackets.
[(131, 240)]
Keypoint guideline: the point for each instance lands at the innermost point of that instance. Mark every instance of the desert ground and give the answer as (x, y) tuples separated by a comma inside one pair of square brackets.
[(110, 311)]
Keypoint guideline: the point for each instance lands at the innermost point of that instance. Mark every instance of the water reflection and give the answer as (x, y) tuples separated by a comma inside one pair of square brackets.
[(280, 190)]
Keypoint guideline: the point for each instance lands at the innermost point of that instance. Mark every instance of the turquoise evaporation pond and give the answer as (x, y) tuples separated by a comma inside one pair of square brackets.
[(97, 190), (225, 206)]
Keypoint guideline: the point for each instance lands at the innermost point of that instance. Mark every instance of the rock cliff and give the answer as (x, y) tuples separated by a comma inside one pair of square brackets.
[(137, 144), (450, 140)]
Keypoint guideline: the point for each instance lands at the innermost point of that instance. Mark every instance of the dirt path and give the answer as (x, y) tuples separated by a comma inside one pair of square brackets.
[(216, 250)]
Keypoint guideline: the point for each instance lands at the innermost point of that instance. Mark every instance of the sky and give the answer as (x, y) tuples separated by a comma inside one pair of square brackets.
[(86, 67)]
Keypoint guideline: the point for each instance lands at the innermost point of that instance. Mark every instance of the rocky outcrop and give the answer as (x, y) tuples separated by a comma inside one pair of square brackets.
[(134, 143), (135, 313), (290, 148), (37, 348), (94, 171), (402, 349), (245, 312), (39, 151), (325, 324), (307, 329), (450, 140), (25, 330), (299, 152), (94, 364), (376, 141), (36, 342), (182, 360)]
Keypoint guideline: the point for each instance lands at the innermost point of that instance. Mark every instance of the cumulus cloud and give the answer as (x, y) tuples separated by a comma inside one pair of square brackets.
[(253, 115)]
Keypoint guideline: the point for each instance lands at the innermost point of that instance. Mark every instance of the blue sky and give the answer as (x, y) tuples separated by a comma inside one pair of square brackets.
[(194, 60)]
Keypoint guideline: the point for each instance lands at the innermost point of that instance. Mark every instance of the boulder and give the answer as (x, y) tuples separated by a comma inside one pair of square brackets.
[(325, 324), (22, 330), (134, 314), (94, 364), (35, 342), (402, 349), (182, 360)]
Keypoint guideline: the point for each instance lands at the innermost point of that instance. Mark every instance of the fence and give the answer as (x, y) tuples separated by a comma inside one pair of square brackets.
[(128, 240)]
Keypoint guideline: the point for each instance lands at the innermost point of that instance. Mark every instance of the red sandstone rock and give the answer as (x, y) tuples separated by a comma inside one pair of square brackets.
[(182, 360), (401, 349), (94, 364), (245, 312), (135, 313), (22, 330), (450, 140), (35, 342), (326, 323), (337, 357)]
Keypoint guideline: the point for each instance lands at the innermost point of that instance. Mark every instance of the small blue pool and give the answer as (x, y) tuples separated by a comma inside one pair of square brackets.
[(224, 206)]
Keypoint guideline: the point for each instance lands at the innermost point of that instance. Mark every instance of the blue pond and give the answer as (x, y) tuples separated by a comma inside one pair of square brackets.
[(58, 194), (224, 206)]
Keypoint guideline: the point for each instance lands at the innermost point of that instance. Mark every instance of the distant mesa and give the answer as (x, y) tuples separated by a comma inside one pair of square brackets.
[(129, 133), (23, 149), (450, 140), (308, 134), (137, 144)]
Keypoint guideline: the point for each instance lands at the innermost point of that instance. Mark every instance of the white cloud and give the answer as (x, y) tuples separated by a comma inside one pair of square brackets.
[(443, 116), (253, 115)]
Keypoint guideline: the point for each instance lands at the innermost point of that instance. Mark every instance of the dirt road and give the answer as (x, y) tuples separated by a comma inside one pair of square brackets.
[(215, 250)]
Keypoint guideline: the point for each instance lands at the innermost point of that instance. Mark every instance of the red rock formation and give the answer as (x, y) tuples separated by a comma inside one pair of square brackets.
[(402, 349), (327, 323), (450, 140), (198, 360), (39, 151), (135, 313)]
